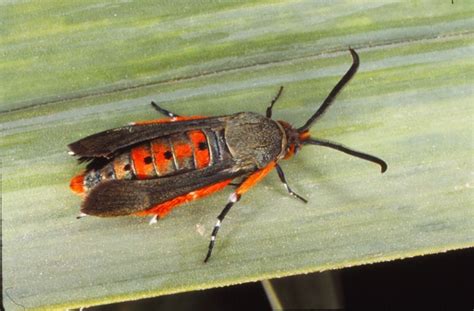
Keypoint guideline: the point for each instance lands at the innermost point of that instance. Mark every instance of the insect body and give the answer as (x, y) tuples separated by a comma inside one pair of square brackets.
[(148, 168)]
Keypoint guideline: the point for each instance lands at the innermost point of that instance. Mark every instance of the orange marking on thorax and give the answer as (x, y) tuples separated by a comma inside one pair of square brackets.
[(290, 152), (175, 119), (304, 135), (164, 208), (142, 161), (77, 184), (201, 149)]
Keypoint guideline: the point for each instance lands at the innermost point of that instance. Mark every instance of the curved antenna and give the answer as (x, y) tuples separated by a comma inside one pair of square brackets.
[(360, 155), (328, 101)]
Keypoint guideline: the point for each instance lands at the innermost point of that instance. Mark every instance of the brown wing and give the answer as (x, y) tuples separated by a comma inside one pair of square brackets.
[(125, 197), (104, 144)]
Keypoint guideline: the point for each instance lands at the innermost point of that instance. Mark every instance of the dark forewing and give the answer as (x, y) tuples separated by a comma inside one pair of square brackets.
[(124, 197), (104, 144)]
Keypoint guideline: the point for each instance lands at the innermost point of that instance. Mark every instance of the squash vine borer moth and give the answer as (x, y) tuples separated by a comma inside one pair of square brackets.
[(148, 168)]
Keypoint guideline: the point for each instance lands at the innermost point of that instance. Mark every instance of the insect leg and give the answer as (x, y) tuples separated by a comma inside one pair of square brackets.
[(237, 182), (269, 109), (153, 219), (235, 197), (81, 215), (163, 111), (173, 117), (283, 180)]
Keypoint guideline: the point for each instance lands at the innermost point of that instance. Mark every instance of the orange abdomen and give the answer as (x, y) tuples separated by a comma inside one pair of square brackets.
[(169, 155), (156, 158)]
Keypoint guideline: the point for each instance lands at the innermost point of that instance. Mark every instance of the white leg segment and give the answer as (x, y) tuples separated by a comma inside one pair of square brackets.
[(153, 220)]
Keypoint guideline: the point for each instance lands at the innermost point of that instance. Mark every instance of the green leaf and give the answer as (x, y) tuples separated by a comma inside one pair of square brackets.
[(69, 70)]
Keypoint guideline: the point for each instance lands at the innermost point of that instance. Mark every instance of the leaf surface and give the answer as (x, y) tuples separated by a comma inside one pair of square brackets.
[(70, 70)]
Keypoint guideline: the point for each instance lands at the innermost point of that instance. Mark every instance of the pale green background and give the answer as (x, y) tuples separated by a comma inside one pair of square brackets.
[(69, 70)]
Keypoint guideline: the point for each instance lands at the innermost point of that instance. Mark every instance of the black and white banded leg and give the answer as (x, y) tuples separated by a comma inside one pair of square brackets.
[(163, 111), (269, 109), (283, 180), (81, 215), (153, 220), (233, 198)]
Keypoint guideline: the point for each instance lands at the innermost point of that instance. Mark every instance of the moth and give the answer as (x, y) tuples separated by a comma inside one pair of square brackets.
[(150, 167)]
